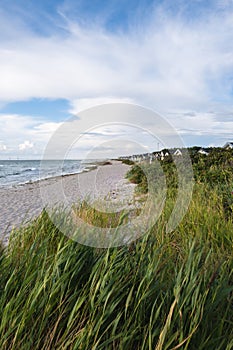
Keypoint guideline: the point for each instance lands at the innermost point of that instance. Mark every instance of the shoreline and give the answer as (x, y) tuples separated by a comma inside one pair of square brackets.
[(88, 167), (22, 203)]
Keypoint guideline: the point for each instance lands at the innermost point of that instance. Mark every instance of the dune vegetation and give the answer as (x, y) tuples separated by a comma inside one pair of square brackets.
[(164, 291)]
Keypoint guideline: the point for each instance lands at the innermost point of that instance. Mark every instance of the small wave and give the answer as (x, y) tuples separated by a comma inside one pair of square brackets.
[(27, 170)]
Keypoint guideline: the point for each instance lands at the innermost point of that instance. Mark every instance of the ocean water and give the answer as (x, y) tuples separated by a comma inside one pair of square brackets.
[(15, 172)]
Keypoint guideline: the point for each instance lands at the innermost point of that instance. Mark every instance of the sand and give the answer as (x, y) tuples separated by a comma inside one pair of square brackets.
[(104, 187)]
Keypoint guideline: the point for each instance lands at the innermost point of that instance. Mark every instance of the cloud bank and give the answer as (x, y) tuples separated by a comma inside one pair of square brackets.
[(169, 61)]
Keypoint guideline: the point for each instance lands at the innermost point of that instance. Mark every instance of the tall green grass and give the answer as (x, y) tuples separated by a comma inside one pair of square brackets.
[(165, 291)]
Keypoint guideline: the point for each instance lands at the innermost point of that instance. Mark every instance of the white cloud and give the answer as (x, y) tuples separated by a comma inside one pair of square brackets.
[(2, 147), (45, 129), (170, 63), (167, 64), (16, 132), (26, 145), (203, 128), (85, 103)]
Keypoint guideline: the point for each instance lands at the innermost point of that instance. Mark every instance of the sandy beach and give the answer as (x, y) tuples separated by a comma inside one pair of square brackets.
[(107, 183)]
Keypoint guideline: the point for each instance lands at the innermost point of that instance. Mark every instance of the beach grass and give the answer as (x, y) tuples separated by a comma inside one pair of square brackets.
[(102, 219), (164, 291)]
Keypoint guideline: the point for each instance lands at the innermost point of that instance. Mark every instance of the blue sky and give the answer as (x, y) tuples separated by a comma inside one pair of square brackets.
[(55, 110), (60, 57)]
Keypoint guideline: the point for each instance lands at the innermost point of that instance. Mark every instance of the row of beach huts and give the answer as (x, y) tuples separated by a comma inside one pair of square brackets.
[(161, 155)]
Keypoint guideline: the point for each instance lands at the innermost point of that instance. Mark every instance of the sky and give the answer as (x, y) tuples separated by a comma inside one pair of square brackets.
[(58, 58)]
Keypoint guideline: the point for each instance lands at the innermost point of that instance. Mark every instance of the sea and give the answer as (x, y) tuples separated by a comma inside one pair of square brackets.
[(18, 172)]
